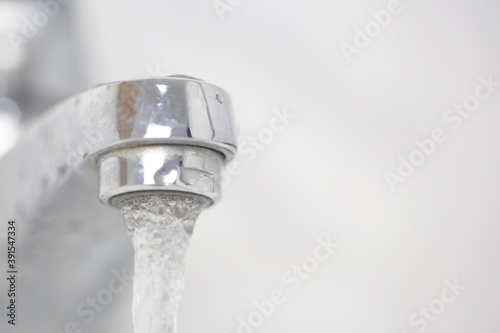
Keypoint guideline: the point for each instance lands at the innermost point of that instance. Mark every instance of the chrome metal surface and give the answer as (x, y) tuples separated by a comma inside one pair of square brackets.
[(174, 169), (167, 134), (173, 110), (165, 111)]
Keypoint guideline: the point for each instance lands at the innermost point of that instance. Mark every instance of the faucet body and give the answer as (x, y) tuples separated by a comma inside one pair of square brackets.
[(171, 135)]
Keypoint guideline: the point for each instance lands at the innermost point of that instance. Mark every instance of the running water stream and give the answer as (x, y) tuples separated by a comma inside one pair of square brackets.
[(160, 227)]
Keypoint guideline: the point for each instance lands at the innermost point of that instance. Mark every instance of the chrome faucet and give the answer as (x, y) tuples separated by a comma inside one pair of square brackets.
[(170, 135)]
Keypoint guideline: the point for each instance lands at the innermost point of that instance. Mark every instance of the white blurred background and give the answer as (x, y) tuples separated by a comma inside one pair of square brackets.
[(324, 174)]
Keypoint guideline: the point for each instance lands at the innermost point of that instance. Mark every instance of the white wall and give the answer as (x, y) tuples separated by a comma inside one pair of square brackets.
[(324, 173)]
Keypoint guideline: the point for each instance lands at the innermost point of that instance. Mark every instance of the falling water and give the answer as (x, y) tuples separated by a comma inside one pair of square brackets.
[(160, 227)]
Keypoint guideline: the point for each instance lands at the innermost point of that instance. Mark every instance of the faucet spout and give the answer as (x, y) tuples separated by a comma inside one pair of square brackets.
[(168, 135)]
